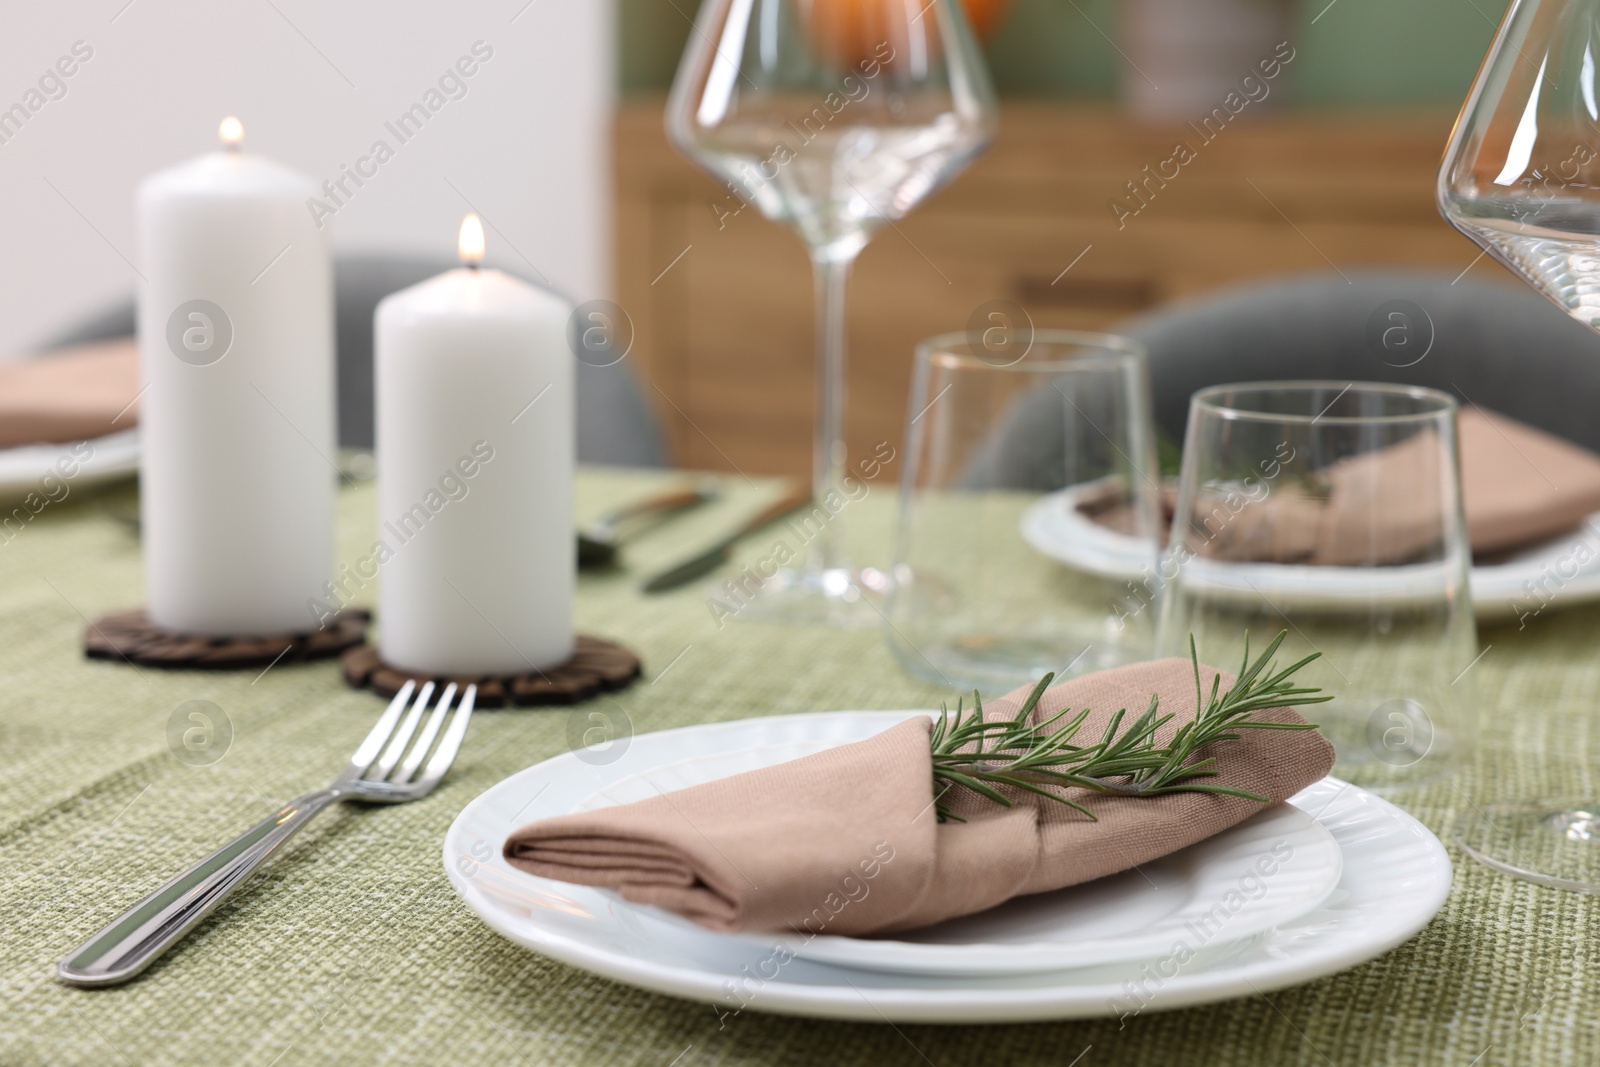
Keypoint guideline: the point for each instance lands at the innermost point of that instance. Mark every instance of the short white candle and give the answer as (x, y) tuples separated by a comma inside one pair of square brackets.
[(475, 442), (237, 424)]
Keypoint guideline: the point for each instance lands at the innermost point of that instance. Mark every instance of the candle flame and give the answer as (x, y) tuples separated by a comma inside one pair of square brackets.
[(470, 243), (231, 130)]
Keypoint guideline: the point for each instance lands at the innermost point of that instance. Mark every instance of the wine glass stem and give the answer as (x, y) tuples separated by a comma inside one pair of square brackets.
[(832, 274)]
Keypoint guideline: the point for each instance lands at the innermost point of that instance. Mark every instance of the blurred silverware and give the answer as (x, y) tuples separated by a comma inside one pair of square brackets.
[(599, 542), (705, 562)]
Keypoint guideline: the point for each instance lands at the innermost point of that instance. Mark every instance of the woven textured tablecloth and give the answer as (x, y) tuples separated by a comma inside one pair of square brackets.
[(352, 947)]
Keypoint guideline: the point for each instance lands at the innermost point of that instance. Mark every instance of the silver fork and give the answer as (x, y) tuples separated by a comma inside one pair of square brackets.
[(134, 940)]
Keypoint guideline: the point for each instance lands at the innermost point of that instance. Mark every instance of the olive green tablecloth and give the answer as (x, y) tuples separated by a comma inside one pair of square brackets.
[(352, 947)]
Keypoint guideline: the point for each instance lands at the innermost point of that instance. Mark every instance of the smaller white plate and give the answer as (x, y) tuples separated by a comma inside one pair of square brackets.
[(1055, 527), (1135, 915), (24, 469)]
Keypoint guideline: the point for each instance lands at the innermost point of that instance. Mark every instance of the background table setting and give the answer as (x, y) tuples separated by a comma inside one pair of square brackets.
[(1073, 724)]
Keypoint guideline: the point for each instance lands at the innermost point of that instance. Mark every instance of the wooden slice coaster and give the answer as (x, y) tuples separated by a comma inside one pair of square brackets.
[(130, 637), (597, 666)]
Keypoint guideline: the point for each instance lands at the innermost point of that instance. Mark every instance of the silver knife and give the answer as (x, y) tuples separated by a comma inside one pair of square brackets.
[(715, 556), (600, 541)]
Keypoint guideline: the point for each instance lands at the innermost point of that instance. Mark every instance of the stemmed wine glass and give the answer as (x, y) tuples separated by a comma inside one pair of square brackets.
[(833, 117), (1521, 177)]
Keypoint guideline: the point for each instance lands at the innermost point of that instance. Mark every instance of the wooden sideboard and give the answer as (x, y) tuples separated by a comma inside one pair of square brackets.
[(722, 306)]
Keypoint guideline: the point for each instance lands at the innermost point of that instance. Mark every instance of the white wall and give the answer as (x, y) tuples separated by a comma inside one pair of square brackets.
[(314, 82)]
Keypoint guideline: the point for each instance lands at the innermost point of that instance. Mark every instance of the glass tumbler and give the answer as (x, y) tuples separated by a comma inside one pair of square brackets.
[(1029, 508), (1332, 511)]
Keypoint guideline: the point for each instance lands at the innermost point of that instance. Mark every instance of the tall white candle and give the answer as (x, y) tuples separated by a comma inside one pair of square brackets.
[(236, 345), (475, 441)]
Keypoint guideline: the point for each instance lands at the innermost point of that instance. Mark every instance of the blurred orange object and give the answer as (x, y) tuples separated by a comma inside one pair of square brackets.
[(986, 16), (855, 32)]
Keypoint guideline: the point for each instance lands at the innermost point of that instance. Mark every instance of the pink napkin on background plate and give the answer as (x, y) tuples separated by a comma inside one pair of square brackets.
[(73, 395), (847, 841), (1519, 486)]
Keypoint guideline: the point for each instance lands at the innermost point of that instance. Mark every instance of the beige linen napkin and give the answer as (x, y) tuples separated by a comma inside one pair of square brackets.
[(1519, 486), (71, 395), (1388, 506), (848, 841), (1281, 528)]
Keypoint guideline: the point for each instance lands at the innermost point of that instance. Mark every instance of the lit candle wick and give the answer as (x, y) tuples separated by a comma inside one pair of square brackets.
[(231, 130), (470, 242)]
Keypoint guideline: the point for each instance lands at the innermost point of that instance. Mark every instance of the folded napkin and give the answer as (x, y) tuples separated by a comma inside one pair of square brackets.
[(71, 395), (1519, 486), (848, 841)]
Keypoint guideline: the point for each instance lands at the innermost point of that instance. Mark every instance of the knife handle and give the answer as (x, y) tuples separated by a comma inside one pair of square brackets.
[(790, 501), (670, 501)]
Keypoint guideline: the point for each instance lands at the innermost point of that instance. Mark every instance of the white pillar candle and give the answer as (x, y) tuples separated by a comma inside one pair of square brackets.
[(475, 441), (236, 346)]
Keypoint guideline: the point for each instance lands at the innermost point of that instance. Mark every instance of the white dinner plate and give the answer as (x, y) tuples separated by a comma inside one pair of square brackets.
[(1131, 916), (24, 470), (1396, 876), (1055, 527)]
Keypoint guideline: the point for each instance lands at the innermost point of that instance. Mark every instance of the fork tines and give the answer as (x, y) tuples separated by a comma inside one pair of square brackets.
[(379, 759)]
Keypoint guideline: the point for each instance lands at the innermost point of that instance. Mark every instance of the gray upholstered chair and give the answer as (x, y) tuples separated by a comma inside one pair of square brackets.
[(1497, 345), (615, 424)]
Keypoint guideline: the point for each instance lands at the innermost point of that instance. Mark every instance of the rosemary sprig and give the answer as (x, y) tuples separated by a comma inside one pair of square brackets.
[(1041, 758)]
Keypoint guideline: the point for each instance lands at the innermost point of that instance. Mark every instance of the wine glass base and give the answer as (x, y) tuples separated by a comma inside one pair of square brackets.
[(1551, 842), (838, 597)]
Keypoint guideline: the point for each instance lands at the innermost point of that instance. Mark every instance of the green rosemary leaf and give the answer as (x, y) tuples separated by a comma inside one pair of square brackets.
[(977, 786), (1041, 758), (1203, 787)]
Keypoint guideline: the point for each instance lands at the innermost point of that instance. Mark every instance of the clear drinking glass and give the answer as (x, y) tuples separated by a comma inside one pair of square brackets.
[(834, 117), (1332, 511), (1029, 512), (1521, 177)]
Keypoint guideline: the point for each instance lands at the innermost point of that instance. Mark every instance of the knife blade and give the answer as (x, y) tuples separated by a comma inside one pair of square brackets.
[(705, 562)]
